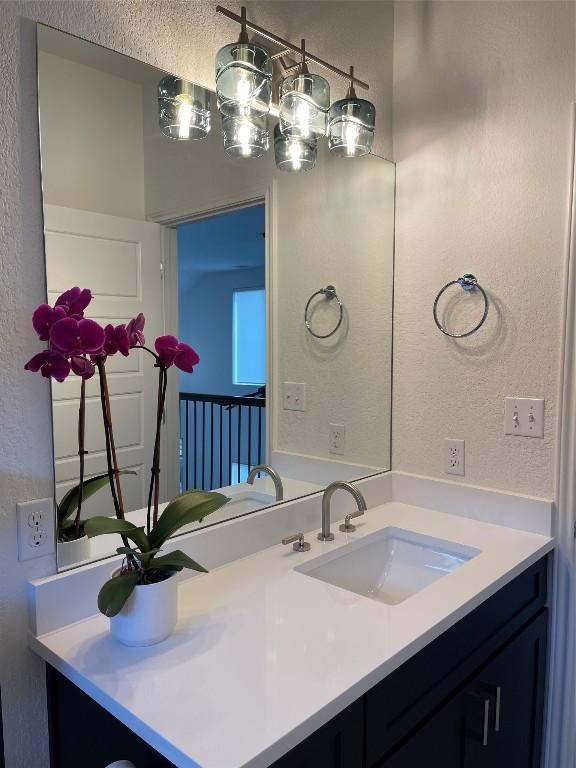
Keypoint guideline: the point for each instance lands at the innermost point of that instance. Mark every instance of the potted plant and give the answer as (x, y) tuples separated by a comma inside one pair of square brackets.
[(81, 346)]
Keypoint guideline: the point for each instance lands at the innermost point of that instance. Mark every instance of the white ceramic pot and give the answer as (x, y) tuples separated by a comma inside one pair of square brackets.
[(149, 615), (73, 552)]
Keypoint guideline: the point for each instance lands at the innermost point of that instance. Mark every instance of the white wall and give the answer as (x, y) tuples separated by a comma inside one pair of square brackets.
[(482, 99), (92, 158), (335, 225), (180, 37), (206, 324)]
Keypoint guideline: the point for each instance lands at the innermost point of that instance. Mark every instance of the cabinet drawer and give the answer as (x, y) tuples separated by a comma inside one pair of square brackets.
[(408, 695)]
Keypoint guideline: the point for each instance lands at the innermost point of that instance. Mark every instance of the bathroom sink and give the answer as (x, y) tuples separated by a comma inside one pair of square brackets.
[(247, 501), (390, 565)]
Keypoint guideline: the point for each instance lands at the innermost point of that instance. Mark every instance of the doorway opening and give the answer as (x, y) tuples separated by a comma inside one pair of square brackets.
[(222, 315)]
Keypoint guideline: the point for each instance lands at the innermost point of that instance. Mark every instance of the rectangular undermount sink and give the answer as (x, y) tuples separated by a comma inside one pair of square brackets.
[(247, 501), (390, 565)]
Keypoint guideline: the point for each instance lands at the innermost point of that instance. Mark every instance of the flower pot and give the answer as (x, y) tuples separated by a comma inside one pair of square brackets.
[(73, 552), (149, 615)]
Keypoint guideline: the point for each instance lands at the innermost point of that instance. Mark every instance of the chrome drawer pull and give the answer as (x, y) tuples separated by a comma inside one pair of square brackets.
[(486, 722), (497, 709)]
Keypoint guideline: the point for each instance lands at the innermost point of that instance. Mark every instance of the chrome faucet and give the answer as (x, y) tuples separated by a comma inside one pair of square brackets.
[(339, 485), (276, 479)]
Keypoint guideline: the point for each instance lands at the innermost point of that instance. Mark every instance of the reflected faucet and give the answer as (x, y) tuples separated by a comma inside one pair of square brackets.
[(339, 485), (276, 479)]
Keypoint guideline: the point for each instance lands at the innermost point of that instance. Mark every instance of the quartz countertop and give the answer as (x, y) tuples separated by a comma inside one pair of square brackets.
[(264, 655)]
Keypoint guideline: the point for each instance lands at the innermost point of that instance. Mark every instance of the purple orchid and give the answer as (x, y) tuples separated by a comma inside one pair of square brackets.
[(170, 351), (50, 363), (82, 367), (74, 301), (77, 337), (134, 330), (116, 340), (44, 318)]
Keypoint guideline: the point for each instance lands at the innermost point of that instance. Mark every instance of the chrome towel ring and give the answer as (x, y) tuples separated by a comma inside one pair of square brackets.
[(468, 283), (329, 293)]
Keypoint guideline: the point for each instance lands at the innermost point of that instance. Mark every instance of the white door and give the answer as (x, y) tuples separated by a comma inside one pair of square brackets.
[(120, 261)]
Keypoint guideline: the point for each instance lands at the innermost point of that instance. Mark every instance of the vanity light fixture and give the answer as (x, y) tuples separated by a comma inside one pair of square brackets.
[(304, 102), (183, 109), (351, 124), (293, 153)]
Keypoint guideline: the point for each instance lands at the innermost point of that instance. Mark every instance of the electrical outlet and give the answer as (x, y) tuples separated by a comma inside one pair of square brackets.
[(337, 439), (524, 416), (454, 456), (293, 396), (35, 528)]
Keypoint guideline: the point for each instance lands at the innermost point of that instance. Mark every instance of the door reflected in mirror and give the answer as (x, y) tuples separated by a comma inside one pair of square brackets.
[(225, 255)]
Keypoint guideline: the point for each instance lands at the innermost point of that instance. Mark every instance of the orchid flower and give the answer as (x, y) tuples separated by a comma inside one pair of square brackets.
[(50, 363), (170, 352), (135, 329), (74, 301)]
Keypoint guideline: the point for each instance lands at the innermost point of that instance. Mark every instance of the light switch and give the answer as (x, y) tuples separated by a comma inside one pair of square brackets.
[(293, 396), (524, 416)]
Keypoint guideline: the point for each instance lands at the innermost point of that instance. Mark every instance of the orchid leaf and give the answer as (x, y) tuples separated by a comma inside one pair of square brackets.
[(69, 503), (116, 591), (187, 508), (98, 526), (176, 561)]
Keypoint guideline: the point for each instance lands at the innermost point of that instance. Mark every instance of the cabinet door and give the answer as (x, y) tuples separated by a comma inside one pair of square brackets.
[(439, 743), (511, 687), (338, 744)]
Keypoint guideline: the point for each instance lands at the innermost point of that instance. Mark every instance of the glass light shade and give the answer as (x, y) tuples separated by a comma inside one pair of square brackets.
[(243, 80), (351, 127), (183, 109), (293, 153), (304, 104), (245, 137)]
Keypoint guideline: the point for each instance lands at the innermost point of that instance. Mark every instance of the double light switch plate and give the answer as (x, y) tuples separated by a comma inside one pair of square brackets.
[(524, 416)]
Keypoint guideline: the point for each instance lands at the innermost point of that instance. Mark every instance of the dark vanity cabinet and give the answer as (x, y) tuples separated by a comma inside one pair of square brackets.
[(472, 698)]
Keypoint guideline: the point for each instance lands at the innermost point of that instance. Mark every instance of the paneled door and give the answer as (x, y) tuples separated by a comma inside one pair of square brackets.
[(120, 261)]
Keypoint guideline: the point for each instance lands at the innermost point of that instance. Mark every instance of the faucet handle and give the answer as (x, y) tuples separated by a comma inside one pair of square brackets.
[(346, 526), (299, 544)]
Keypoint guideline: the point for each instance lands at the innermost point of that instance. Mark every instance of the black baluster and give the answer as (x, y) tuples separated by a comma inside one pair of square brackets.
[(211, 446), (239, 438), (220, 425), (249, 437), (203, 445), (195, 445), (229, 445), (186, 446), (259, 435)]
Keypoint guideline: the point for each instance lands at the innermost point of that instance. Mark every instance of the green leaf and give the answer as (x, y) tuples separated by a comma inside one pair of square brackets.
[(116, 591), (187, 508), (176, 561), (98, 526), (69, 502)]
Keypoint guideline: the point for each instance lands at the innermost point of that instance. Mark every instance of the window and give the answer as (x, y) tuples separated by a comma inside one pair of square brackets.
[(249, 336)]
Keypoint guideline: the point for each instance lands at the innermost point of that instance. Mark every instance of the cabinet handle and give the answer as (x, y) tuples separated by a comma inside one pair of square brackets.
[(486, 722), (497, 708)]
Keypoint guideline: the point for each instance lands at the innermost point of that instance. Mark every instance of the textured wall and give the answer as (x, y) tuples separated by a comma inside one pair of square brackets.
[(92, 158), (177, 36), (482, 99)]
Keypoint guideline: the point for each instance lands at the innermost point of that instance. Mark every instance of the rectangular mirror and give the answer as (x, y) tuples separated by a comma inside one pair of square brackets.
[(226, 255)]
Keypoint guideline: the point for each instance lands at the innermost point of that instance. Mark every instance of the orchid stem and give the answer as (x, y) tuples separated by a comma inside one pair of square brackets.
[(81, 435), (107, 433), (155, 472)]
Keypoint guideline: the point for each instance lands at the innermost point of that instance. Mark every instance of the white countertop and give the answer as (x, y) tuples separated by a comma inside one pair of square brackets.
[(264, 655)]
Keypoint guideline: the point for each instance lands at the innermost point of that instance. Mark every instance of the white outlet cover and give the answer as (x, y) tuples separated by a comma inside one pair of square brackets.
[(454, 456), (337, 439), (524, 416), (293, 396), (35, 528)]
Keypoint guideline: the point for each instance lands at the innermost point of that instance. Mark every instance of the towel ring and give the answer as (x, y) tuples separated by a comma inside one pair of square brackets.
[(329, 293), (468, 283)]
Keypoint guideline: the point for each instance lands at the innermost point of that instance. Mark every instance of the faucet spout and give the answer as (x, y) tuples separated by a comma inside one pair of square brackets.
[(338, 485), (268, 470)]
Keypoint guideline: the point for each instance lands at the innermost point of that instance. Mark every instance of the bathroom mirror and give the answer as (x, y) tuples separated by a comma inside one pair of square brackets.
[(225, 255)]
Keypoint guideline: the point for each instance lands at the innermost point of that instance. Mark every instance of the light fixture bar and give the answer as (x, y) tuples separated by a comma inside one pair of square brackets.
[(288, 45)]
